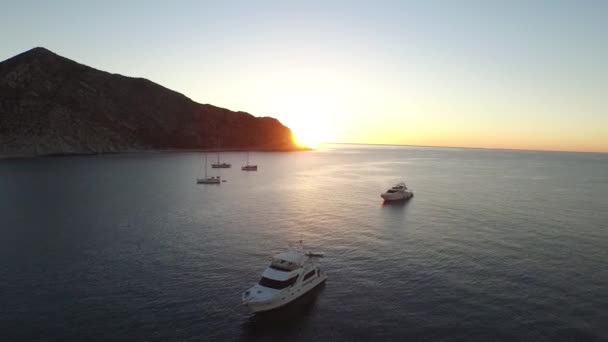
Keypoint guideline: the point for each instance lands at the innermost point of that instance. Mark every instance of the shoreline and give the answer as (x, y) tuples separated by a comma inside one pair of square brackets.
[(151, 151)]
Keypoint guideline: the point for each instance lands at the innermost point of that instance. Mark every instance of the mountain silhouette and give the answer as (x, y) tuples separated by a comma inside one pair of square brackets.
[(52, 105)]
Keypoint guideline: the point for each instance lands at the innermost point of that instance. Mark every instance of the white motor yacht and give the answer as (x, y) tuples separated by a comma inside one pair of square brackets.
[(290, 275), (397, 192)]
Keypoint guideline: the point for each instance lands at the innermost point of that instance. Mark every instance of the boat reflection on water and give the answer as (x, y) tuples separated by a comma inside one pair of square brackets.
[(281, 323)]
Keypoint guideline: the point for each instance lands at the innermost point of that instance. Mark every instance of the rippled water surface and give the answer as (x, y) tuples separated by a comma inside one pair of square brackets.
[(495, 245)]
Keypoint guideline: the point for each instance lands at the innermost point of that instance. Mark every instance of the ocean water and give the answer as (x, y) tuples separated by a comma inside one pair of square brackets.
[(495, 245)]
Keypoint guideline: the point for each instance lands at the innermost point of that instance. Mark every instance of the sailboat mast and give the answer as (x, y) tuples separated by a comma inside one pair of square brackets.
[(205, 165)]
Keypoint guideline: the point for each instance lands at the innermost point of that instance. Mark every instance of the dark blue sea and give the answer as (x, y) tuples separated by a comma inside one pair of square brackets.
[(495, 246)]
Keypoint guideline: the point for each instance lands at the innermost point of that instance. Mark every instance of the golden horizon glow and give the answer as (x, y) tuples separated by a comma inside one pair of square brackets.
[(343, 105), (488, 145), (312, 133), (397, 117)]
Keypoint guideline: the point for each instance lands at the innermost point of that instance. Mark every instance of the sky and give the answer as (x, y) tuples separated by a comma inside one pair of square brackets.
[(495, 74)]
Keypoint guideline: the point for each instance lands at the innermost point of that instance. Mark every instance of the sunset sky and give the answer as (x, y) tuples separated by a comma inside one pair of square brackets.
[(505, 74)]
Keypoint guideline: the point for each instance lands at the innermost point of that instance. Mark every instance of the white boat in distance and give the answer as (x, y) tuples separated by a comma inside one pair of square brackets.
[(219, 165), (208, 180), (290, 275), (397, 193), (249, 167)]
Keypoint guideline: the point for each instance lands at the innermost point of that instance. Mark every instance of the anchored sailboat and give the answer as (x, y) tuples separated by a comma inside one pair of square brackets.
[(249, 167), (219, 165), (207, 180)]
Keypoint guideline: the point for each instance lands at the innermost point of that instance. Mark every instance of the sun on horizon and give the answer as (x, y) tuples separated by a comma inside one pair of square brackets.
[(308, 133)]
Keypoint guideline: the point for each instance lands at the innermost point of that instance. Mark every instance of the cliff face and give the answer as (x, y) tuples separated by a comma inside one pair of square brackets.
[(52, 105)]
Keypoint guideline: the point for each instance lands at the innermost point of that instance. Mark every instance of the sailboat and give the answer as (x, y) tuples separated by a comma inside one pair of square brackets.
[(219, 165), (207, 180), (249, 167)]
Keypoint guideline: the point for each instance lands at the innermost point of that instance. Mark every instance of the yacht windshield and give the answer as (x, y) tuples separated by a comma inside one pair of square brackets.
[(277, 284), (309, 274), (279, 268)]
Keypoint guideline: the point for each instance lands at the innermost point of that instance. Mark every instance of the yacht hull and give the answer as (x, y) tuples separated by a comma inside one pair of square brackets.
[(399, 196), (207, 181), (284, 298)]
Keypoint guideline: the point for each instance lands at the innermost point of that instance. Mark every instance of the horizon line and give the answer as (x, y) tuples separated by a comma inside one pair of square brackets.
[(466, 147)]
